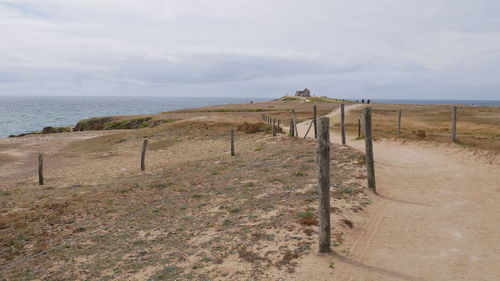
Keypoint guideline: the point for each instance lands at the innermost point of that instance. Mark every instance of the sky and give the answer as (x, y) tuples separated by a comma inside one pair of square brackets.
[(418, 49)]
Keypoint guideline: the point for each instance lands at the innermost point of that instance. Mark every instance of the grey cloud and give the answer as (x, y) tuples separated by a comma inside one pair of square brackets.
[(268, 47), (221, 68)]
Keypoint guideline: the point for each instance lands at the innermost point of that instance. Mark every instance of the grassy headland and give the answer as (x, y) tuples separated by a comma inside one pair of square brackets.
[(196, 213)]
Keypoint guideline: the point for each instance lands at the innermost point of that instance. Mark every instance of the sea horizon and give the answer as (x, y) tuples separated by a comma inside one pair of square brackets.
[(24, 114)]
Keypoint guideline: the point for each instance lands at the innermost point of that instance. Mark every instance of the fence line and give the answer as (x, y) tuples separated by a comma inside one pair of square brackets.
[(323, 156)]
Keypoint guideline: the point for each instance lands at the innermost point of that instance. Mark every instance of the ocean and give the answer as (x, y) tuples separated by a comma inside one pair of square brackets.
[(22, 114)]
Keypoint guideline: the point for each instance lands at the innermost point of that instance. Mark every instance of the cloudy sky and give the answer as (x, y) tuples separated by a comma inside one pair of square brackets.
[(252, 48)]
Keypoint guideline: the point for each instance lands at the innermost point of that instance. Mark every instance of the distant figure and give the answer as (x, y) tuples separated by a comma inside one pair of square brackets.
[(363, 101), (251, 101), (368, 101)]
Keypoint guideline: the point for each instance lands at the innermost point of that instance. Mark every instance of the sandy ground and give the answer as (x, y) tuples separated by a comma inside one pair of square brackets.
[(196, 213), (24, 151), (435, 218)]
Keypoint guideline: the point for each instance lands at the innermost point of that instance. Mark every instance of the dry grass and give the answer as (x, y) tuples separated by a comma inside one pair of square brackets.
[(4, 159), (195, 214), (476, 126)]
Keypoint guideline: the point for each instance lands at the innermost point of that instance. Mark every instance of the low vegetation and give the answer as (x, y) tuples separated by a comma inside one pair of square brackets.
[(477, 127), (196, 213), (113, 123)]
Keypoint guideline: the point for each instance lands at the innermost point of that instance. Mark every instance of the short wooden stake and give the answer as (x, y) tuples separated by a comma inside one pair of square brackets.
[(362, 118), (323, 160), (370, 163), (143, 155), (273, 128), (315, 119), (399, 122), (279, 124), (454, 124), (232, 142), (359, 127), (342, 123), (40, 169), (294, 124)]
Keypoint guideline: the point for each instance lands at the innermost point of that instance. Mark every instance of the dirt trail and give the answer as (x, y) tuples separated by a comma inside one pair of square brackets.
[(435, 218)]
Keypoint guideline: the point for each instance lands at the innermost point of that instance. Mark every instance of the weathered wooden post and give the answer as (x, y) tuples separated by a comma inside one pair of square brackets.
[(232, 142), (369, 148), (315, 122), (359, 127), (399, 122), (279, 124), (342, 123), (40, 169), (362, 118), (454, 124), (143, 154), (323, 160), (273, 128), (294, 124)]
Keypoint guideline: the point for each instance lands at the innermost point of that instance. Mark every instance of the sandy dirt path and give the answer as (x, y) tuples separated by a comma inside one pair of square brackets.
[(24, 152), (436, 217)]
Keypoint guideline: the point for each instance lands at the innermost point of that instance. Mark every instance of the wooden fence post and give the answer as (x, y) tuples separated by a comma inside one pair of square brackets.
[(40, 169), (323, 160), (399, 122), (279, 124), (294, 124), (232, 142), (315, 118), (273, 129), (454, 124), (369, 148), (359, 127), (362, 118), (342, 123), (143, 154)]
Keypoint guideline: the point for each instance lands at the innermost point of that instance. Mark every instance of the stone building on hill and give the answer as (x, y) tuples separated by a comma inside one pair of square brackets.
[(306, 93)]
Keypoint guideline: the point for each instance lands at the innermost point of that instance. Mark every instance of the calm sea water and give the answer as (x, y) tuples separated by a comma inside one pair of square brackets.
[(457, 102), (25, 114)]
